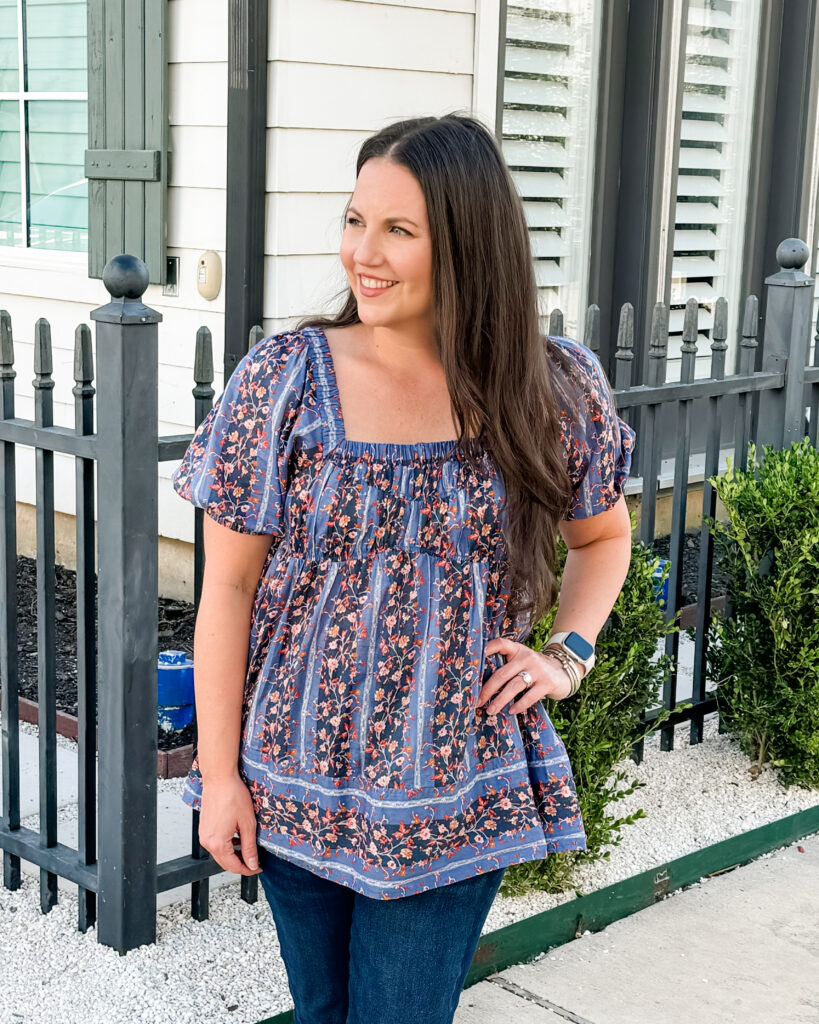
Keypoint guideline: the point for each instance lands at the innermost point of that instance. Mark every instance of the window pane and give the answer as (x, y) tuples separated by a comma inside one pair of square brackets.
[(9, 81), (11, 231), (58, 214), (549, 112), (721, 55), (56, 45)]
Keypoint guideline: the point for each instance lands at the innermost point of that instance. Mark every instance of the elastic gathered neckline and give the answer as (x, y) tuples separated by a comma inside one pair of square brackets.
[(386, 449)]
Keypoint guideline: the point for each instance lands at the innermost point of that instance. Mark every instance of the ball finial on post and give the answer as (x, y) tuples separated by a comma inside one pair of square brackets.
[(126, 277), (792, 254)]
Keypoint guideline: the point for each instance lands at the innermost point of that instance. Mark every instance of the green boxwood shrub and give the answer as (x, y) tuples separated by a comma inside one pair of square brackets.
[(598, 724), (764, 658)]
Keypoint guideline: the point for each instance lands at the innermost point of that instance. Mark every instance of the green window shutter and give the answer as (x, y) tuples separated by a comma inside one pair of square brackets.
[(126, 162)]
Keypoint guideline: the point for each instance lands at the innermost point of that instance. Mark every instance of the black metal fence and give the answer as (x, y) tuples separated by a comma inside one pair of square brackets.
[(118, 878), (775, 405), (117, 647)]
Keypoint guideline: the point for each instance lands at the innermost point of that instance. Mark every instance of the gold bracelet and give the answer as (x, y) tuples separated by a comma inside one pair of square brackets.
[(569, 668), (561, 650), (555, 651)]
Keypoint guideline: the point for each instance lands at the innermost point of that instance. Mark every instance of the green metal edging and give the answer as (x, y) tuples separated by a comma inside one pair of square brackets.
[(524, 940)]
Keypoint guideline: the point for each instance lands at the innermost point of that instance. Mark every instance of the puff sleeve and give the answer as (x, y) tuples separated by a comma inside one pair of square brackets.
[(235, 467), (598, 444)]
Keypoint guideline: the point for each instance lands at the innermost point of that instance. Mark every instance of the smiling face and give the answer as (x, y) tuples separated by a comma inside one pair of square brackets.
[(387, 249)]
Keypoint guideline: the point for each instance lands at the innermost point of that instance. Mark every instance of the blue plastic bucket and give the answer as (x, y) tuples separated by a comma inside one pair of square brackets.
[(174, 690), (661, 590)]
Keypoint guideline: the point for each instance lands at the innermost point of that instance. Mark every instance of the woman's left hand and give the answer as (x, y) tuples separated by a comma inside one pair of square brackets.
[(549, 678)]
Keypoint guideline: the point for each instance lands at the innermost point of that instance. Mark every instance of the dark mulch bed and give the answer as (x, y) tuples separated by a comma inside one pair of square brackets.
[(176, 620), (661, 547), (175, 633), (691, 561)]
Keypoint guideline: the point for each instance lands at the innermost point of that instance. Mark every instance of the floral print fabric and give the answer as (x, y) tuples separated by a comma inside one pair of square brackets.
[(366, 757)]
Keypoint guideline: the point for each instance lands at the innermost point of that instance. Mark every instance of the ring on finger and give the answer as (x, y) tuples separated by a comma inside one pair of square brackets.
[(526, 677)]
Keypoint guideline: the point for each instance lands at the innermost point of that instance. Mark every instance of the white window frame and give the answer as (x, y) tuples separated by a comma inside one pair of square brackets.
[(56, 259), (488, 16)]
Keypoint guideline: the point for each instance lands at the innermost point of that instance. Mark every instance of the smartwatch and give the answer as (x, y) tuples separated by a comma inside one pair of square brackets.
[(576, 647)]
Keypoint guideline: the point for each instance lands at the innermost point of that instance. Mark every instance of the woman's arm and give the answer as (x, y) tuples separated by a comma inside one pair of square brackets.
[(596, 567), (233, 564)]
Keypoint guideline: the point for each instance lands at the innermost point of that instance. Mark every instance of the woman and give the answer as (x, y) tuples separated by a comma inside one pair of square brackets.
[(384, 489)]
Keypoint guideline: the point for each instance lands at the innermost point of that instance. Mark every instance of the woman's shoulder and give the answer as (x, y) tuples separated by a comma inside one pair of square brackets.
[(579, 380), (275, 351), (273, 371), (573, 359)]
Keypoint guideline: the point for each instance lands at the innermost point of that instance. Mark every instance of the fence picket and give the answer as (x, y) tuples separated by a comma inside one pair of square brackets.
[(256, 335), (678, 511), (84, 392), (591, 334), (624, 356), (650, 441), (556, 324), (9, 666), (719, 346), (249, 884), (46, 608), (203, 395), (747, 358)]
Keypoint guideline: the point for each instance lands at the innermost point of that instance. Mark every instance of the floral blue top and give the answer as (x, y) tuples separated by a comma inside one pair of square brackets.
[(366, 757)]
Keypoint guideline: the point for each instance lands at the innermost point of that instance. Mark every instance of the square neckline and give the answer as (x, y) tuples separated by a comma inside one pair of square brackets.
[(430, 448)]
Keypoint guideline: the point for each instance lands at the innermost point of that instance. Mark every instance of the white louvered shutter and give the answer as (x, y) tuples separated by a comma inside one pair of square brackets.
[(549, 111), (721, 52)]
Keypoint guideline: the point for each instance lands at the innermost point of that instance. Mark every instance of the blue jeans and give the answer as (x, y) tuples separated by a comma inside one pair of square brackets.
[(351, 959)]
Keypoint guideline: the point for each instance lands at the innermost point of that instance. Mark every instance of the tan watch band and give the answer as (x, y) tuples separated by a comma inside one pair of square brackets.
[(556, 640)]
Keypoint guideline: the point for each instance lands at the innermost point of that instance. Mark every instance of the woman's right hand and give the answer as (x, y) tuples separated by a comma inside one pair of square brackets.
[(227, 812)]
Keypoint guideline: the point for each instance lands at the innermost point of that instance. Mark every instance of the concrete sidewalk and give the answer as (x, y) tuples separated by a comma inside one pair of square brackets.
[(741, 948)]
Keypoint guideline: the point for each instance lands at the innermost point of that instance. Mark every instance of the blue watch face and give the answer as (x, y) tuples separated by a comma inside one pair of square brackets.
[(582, 648)]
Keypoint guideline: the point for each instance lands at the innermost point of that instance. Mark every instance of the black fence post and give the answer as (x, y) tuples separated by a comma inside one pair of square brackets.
[(781, 416), (127, 374)]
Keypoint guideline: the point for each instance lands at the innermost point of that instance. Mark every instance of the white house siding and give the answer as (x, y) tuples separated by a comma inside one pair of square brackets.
[(338, 70), (55, 285)]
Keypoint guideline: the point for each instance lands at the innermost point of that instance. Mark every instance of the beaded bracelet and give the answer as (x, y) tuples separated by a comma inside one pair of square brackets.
[(568, 665)]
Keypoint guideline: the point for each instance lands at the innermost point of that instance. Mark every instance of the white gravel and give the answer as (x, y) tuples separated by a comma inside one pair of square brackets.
[(694, 796), (62, 741), (228, 969)]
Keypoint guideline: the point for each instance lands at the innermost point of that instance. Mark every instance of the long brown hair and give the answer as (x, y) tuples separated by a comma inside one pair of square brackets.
[(495, 359)]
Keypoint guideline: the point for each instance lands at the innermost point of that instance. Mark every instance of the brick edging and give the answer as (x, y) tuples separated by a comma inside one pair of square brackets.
[(170, 764)]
